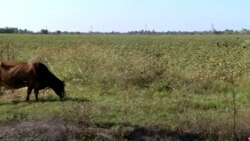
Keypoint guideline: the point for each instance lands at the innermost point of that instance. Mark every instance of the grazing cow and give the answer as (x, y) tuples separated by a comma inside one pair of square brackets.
[(35, 76)]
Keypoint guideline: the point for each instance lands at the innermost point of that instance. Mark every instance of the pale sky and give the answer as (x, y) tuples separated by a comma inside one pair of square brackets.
[(125, 15)]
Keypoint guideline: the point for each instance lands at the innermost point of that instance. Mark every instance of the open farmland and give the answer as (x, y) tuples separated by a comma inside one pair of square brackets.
[(132, 87)]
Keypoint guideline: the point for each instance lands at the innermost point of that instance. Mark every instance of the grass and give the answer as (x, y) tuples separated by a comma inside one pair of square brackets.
[(182, 83)]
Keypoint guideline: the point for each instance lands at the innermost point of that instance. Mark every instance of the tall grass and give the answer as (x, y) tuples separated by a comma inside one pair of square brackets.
[(180, 82)]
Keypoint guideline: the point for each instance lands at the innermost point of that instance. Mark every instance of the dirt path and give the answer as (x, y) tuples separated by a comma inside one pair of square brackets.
[(59, 130)]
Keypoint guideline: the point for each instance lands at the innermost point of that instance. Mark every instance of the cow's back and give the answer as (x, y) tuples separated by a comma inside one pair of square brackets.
[(16, 75)]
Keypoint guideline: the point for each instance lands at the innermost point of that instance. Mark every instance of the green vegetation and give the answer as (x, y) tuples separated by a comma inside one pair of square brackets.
[(181, 83)]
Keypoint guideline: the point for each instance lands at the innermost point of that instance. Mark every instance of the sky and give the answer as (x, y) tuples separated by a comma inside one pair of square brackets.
[(125, 15)]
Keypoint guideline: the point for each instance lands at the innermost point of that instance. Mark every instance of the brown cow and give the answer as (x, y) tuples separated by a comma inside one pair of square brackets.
[(35, 76)]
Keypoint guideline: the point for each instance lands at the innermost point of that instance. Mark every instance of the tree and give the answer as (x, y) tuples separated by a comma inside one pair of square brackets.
[(9, 30), (44, 31), (58, 32), (244, 31)]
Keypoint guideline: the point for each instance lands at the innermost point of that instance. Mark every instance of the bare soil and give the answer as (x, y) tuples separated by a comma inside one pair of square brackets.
[(59, 130)]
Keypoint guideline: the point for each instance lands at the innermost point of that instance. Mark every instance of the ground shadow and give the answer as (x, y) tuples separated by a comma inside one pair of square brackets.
[(44, 100), (158, 134), (149, 133)]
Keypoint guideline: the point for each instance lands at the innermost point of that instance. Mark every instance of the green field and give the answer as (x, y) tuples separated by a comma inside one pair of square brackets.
[(186, 85)]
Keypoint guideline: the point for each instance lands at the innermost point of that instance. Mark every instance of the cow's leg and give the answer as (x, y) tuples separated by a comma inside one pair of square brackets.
[(36, 93), (29, 90)]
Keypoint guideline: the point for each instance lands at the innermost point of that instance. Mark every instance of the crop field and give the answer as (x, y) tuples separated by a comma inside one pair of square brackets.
[(131, 87)]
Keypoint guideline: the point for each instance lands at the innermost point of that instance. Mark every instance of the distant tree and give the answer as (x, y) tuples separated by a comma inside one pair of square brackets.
[(228, 31), (2, 30), (8, 30), (24, 31), (244, 31), (44, 31), (58, 32)]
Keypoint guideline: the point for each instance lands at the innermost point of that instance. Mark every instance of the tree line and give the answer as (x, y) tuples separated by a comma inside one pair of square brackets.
[(143, 32)]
